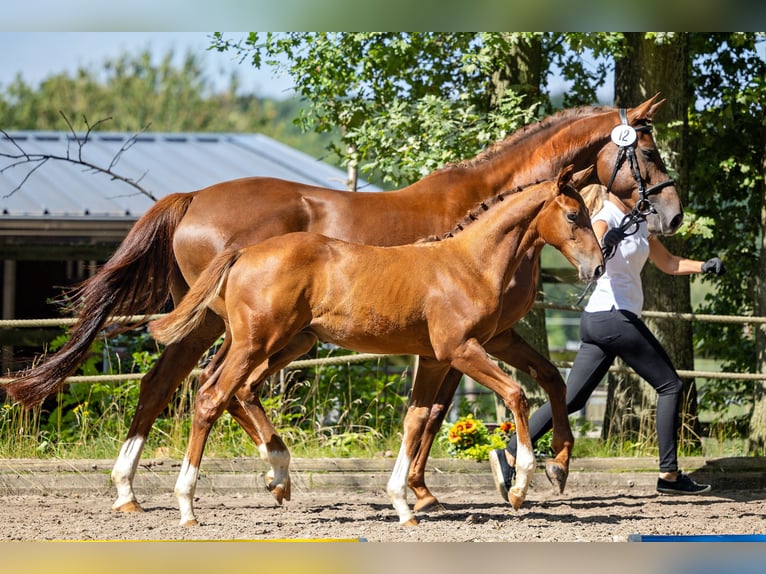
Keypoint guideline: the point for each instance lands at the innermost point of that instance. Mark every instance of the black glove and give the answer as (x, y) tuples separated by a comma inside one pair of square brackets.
[(612, 237), (714, 265)]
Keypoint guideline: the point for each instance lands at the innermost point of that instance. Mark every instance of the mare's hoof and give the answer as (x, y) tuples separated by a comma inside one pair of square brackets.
[(132, 506), (557, 475), (191, 522), (430, 504), (515, 500), (411, 522)]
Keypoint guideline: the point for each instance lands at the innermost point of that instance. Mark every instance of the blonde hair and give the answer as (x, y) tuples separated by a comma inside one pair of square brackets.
[(594, 196)]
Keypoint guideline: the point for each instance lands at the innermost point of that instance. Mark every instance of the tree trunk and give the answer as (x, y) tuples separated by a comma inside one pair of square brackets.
[(757, 436), (650, 67), (520, 70)]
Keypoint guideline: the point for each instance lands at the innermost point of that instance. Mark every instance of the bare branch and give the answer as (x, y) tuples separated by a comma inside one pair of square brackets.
[(22, 157)]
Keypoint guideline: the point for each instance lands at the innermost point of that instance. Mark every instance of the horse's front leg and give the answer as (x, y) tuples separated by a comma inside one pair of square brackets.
[(511, 348), (471, 359), (429, 373), (415, 420)]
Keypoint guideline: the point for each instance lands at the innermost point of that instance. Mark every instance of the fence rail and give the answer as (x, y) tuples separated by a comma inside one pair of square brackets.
[(364, 357)]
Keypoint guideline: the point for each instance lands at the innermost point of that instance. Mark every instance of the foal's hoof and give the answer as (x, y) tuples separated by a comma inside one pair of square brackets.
[(429, 504), (515, 500), (411, 522), (280, 492), (189, 523), (132, 506), (557, 475)]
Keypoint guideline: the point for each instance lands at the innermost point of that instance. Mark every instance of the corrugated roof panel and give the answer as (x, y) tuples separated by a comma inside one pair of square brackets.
[(164, 163)]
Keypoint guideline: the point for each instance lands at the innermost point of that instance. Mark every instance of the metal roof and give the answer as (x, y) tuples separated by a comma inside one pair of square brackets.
[(162, 163)]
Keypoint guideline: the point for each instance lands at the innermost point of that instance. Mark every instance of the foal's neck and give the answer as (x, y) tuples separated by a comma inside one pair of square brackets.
[(498, 241)]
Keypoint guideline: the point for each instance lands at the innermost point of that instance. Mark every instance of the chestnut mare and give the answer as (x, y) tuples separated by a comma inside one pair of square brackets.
[(307, 286), (172, 243)]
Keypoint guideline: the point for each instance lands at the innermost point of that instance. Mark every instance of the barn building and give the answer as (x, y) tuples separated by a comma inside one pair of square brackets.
[(60, 220)]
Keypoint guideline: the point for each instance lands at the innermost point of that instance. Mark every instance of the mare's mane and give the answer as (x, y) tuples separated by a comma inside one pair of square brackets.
[(526, 133)]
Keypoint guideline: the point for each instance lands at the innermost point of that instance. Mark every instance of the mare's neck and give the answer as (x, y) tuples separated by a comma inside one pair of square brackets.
[(542, 156)]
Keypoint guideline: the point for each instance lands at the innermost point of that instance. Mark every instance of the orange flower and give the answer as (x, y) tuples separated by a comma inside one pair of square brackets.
[(507, 427)]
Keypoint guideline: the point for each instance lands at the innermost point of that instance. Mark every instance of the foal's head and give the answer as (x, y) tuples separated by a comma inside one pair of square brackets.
[(564, 223)]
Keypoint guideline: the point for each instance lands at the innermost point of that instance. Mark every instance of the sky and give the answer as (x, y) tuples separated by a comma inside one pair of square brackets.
[(37, 55)]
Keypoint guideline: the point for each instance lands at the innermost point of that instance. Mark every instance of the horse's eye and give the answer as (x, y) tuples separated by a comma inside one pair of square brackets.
[(572, 216)]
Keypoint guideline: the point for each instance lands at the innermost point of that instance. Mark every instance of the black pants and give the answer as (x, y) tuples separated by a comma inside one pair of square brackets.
[(606, 335)]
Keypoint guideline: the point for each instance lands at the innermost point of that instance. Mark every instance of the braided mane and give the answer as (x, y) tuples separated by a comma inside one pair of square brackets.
[(475, 214)]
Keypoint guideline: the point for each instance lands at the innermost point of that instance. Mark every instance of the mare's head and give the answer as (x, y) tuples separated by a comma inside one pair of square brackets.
[(631, 167), (564, 223)]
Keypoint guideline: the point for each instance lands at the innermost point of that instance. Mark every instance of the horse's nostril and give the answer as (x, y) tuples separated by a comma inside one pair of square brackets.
[(598, 272), (676, 222)]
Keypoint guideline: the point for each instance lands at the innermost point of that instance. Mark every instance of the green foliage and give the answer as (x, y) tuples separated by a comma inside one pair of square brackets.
[(135, 93), (407, 102), (726, 129)]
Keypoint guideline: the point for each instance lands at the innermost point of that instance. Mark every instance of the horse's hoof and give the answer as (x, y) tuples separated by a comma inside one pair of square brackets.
[(411, 522), (557, 475), (515, 500), (280, 492), (190, 522), (132, 506), (430, 504)]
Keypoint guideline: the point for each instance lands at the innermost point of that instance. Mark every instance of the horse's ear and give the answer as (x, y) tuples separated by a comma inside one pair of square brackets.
[(565, 176), (646, 110), (582, 177)]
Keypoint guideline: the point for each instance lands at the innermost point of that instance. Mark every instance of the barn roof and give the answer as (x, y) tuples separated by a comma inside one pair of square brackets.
[(162, 163)]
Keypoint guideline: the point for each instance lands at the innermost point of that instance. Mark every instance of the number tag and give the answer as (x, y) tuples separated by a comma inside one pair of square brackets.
[(623, 135)]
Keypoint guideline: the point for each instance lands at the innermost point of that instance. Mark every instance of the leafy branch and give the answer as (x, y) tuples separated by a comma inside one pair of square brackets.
[(37, 160)]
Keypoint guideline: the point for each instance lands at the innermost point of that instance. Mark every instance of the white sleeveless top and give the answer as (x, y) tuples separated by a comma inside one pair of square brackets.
[(620, 286)]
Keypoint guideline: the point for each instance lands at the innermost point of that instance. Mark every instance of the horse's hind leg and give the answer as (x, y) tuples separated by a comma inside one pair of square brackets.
[(511, 348), (157, 387), (248, 411), (212, 399), (428, 373)]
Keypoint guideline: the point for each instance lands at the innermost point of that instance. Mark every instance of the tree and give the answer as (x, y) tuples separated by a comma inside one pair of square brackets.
[(407, 104), (727, 129), (135, 93), (658, 63)]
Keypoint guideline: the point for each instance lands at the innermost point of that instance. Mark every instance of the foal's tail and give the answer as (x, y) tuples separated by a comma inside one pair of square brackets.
[(192, 309), (135, 281)]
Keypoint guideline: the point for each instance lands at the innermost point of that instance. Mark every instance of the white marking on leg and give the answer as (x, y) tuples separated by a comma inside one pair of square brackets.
[(184, 491), (263, 451), (124, 470), (280, 463), (525, 467), (397, 484)]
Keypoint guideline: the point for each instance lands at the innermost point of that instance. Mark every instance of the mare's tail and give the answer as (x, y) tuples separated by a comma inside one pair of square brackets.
[(191, 310), (134, 281)]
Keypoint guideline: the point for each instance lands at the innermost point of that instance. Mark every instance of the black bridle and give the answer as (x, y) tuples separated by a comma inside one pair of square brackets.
[(627, 152)]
